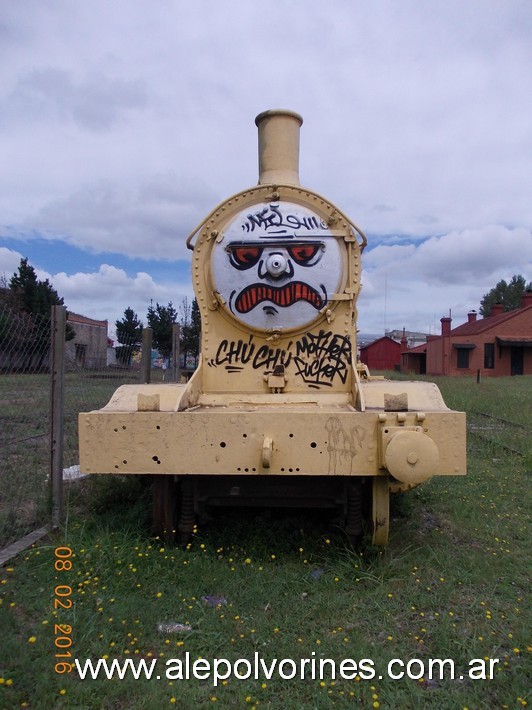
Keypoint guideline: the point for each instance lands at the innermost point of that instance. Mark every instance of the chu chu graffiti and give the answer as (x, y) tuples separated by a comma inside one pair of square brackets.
[(318, 358), (234, 355)]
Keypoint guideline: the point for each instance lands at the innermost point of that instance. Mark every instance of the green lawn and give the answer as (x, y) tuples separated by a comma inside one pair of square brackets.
[(25, 440), (452, 584)]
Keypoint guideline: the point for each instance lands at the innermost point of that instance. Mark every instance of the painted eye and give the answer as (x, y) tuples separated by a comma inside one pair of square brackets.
[(245, 257), (304, 253)]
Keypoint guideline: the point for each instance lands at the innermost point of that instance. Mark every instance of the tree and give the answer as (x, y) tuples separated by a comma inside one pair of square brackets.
[(507, 294), (129, 335), (30, 294), (190, 334), (160, 320), (31, 300)]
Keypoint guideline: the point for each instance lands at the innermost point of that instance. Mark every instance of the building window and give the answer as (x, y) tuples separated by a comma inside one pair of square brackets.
[(489, 356), (462, 358)]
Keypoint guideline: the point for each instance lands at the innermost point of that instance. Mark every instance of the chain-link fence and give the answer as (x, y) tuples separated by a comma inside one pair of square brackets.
[(32, 415), (25, 421)]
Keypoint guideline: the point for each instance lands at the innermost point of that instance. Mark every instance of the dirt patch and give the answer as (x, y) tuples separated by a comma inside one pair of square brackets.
[(429, 521)]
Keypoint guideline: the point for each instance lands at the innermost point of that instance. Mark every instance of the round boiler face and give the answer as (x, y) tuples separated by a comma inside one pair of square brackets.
[(277, 266)]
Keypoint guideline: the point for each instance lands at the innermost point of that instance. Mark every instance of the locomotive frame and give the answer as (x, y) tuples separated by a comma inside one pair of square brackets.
[(278, 412)]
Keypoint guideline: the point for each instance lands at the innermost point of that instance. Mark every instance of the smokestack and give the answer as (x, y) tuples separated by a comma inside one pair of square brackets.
[(279, 147), (445, 326)]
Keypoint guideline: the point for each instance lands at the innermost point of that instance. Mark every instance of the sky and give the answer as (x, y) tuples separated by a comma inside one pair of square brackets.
[(123, 123)]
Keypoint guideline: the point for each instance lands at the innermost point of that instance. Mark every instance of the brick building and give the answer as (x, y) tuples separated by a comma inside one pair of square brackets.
[(500, 344)]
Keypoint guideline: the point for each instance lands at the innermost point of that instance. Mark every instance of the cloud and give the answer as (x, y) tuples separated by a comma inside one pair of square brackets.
[(455, 258), (123, 125), (96, 103), (105, 294), (459, 257), (9, 262), (412, 285), (149, 220)]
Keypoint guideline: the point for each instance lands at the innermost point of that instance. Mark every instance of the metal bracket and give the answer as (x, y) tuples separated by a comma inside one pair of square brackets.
[(216, 300), (276, 380)]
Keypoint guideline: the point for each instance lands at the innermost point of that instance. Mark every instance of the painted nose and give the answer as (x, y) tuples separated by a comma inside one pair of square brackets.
[(276, 264)]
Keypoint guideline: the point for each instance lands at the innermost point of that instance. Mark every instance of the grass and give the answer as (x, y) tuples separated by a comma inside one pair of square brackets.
[(452, 583), (25, 440)]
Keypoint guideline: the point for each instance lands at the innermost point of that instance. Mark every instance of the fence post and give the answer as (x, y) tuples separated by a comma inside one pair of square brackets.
[(175, 352), (57, 410), (145, 363)]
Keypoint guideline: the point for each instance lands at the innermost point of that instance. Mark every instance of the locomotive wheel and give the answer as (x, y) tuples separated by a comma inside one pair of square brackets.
[(164, 507), (380, 510)]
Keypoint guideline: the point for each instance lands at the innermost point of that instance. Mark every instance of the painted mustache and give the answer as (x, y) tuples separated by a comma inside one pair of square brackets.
[(279, 295)]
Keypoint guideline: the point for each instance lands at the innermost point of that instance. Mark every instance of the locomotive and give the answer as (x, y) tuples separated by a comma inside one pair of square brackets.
[(279, 411)]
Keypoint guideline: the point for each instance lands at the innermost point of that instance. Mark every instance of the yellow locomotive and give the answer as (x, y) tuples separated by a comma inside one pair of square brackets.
[(279, 412)]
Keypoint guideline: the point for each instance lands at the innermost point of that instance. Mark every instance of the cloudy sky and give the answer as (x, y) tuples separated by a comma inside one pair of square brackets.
[(123, 123)]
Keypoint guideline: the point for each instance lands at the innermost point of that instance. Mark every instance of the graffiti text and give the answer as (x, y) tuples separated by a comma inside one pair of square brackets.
[(271, 218), (318, 358)]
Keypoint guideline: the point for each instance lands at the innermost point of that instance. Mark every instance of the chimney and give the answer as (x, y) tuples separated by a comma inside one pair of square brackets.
[(404, 341), (445, 325), (526, 299), (279, 147), (471, 316), (496, 309)]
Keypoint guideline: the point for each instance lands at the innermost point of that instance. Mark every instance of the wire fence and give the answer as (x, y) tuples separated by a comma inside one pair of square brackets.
[(29, 407), (499, 434), (24, 419)]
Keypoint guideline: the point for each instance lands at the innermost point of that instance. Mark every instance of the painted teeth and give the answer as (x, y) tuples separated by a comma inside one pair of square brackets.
[(281, 296)]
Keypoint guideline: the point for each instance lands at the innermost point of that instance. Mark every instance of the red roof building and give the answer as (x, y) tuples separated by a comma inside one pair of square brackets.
[(382, 354), (500, 344)]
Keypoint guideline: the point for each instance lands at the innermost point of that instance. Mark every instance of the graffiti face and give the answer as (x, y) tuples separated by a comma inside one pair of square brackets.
[(277, 267)]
